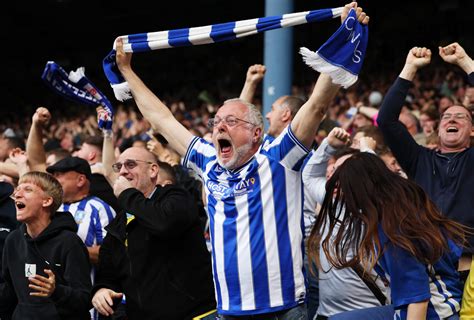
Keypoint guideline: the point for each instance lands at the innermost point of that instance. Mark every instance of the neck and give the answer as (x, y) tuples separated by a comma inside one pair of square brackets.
[(35, 228), (445, 149), (76, 197), (149, 191)]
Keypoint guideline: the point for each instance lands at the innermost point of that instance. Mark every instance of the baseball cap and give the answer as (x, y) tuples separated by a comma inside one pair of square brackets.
[(71, 164)]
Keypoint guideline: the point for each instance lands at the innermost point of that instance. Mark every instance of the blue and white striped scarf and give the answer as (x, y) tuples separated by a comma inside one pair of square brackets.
[(228, 31), (77, 87)]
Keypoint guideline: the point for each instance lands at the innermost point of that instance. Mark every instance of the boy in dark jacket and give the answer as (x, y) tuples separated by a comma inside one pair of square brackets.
[(45, 264)]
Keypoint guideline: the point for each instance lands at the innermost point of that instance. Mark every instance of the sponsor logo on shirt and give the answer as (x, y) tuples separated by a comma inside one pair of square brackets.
[(221, 191)]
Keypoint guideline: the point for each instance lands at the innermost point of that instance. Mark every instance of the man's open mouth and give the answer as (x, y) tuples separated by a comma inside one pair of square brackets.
[(224, 145), (451, 129)]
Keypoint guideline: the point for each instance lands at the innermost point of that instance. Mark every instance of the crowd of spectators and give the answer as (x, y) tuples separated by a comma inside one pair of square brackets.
[(155, 189)]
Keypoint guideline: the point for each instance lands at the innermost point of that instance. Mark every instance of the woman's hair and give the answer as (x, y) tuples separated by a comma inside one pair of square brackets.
[(363, 196), (48, 184)]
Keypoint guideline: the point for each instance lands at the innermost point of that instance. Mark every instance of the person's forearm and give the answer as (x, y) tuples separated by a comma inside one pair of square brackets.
[(108, 157), (393, 102), (310, 115), (408, 72), (467, 65), (396, 135), (248, 91), (35, 149), (9, 169), (157, 113), (417, 311)]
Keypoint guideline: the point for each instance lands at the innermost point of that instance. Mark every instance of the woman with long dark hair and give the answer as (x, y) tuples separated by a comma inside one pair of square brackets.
[(388, 223)]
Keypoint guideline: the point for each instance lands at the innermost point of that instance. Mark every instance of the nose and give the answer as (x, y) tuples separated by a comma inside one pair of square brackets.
[(220, 126), (267, 116), (16, 194)]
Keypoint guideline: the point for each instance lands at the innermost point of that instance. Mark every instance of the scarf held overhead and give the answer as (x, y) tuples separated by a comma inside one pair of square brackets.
[(204, 35), (77, 87)]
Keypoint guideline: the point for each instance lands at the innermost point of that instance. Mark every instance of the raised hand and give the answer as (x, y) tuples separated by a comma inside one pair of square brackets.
[(418, 57), (362, 17), (367, 143), (41, 117), (18, 156), (455, 54), (255, 73), (123, 59), (338, 138)]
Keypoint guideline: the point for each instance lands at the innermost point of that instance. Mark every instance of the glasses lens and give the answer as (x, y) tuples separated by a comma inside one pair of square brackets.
[(130, 164), (116, 167), (210, 123)]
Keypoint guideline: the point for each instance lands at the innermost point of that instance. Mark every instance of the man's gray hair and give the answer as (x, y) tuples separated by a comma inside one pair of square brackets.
[(254, 115)]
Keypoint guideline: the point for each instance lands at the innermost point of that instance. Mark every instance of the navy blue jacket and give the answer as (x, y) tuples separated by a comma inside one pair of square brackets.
[(448, 180)]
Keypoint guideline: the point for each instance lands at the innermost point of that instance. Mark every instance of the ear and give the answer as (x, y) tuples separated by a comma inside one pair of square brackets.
[(81, 180), (92, 155), (286, 115), (47, 202), (257, 135), (154, 170)]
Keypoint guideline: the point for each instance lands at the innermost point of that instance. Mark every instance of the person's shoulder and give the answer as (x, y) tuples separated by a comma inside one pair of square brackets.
[(14, 236), (97, 202), (69, 238)]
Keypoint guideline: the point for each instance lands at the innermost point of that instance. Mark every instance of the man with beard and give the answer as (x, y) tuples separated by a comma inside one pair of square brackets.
[(254, 195)]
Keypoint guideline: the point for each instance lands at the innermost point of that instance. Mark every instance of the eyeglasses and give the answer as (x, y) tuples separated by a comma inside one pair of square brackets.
[(457, 116), (129, 164), (231, 121)]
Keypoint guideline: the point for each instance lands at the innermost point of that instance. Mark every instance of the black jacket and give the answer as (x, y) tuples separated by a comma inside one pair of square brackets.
[(57, 248), (101, 188), (447, 179), (165, 271), (8, 221)]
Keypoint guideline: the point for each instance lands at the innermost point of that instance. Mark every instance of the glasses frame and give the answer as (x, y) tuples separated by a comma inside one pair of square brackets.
[(212, 122), (116, 167), (456, 116)]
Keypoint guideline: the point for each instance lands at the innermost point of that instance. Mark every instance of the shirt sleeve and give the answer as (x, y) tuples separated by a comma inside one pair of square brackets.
[(199, 154), (396, 135), (314, 172), (409, 279), (287, 150)]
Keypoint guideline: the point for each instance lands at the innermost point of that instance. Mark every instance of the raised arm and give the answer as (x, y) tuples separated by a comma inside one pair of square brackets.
[(108, 152), (395, 133), (34, 144), (306, 121), (152, 108), (254, 76), (456, 55), (314, 172)]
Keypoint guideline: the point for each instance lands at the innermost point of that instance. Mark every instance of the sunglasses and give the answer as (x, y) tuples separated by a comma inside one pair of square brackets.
[(129, 164)]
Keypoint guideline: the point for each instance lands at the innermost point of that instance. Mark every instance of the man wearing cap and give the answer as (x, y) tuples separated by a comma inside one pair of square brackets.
[(91, 213)]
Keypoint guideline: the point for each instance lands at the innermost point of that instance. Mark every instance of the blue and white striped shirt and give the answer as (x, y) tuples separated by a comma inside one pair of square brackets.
[(92, 215), (412, 281), (256, 225)]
